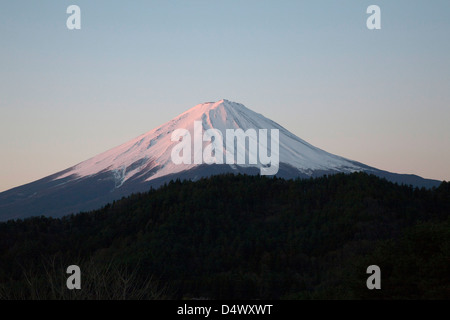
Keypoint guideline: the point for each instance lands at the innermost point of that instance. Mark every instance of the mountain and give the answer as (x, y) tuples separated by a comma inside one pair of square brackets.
[(147, 161)]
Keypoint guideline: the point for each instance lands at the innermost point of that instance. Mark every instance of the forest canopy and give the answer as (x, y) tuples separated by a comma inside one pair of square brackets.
[(240, 237)]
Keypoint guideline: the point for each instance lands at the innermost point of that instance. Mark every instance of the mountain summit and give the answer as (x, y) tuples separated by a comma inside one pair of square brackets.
[(146, 161), (148, 157)]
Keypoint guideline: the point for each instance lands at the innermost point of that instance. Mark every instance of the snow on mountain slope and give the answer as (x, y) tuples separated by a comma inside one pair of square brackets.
[(151, 152)]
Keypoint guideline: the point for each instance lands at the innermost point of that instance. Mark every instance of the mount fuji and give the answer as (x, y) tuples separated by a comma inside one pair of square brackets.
[(146, 162)]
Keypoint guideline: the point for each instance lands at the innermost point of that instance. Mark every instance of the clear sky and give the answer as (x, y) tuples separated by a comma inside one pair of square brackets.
[(379, 97)]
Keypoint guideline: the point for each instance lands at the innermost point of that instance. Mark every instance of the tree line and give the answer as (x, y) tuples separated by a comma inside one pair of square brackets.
[(241, 237)]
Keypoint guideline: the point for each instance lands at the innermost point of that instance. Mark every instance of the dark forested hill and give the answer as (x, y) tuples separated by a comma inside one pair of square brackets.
[(241, 237)]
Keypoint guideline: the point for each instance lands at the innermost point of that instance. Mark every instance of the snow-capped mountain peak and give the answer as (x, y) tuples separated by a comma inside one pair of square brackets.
[(149, 155), (147, 161)]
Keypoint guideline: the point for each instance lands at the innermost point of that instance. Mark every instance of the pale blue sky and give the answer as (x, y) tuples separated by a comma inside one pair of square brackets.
[(379, 97)]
